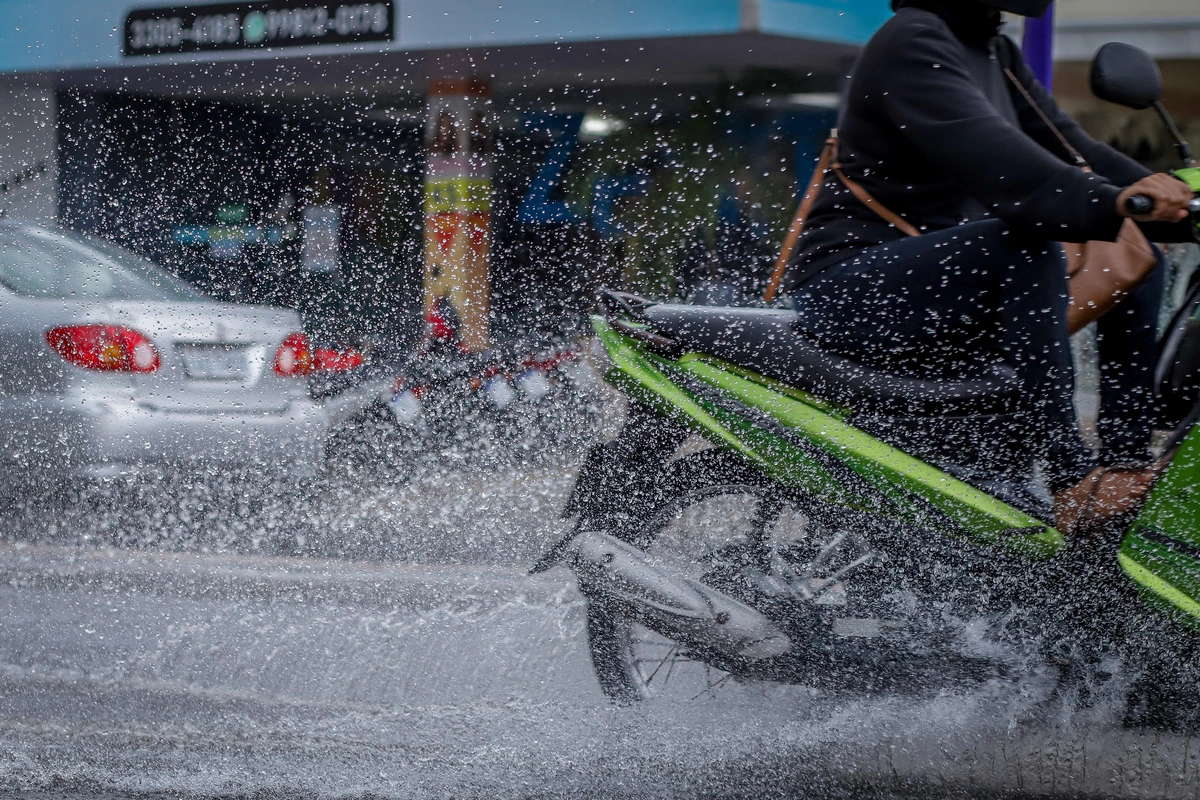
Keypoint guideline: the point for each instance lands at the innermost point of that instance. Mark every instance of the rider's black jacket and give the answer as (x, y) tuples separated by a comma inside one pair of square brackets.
[(931, 128)]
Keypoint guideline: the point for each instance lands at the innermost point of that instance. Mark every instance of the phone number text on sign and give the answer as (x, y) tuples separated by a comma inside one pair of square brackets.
[(276, 23)]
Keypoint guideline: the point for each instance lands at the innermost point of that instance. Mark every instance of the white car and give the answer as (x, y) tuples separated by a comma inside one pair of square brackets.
[(109, 365)]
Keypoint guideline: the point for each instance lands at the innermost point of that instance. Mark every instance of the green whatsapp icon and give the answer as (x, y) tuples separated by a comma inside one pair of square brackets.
[(254, 28)]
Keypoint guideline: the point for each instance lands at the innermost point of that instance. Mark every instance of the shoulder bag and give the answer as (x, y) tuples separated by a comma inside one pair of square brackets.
[(1099, 273)]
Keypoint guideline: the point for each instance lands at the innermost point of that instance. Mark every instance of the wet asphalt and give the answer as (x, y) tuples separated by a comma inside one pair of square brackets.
[(385, 641)]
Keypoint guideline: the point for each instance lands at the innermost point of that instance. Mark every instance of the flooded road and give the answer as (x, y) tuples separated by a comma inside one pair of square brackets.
[(423, 662)]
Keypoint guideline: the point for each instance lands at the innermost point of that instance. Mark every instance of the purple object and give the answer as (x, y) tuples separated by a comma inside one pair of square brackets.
[(1038, 47)]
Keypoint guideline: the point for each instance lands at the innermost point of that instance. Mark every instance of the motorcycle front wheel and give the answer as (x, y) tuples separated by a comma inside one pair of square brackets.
[(856, 617), (719, 521)]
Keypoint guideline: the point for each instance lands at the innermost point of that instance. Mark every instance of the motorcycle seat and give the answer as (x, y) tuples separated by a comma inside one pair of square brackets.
[(768, 342)]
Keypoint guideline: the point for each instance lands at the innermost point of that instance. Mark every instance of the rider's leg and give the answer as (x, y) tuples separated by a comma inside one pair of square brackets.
[(972, 290), (1127, 338)]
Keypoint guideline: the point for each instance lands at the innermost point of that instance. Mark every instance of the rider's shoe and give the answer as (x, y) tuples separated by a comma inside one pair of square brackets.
[(1105, 501)]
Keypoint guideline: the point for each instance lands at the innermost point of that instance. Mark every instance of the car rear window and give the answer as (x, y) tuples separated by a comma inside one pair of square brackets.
[(43, 263)]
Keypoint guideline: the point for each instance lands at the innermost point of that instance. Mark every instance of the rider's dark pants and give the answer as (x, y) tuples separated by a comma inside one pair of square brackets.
[(1127, 338), (977, 292)]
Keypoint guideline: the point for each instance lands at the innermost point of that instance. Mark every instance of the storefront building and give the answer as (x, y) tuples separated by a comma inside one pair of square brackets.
[(365, 161), (279, 151)]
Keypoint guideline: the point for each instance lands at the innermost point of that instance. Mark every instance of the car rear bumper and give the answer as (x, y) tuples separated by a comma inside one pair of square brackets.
[(345, 407), (107, 438)]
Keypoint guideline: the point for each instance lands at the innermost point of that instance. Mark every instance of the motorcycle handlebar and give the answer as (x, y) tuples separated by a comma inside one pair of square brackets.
[(1139, 205)]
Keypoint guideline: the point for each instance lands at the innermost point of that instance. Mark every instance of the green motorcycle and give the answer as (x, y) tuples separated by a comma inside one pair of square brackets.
[(771, 511)]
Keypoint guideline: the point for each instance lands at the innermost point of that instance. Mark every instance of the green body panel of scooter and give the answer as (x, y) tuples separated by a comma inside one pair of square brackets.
[(810, 448), (1161, 551), (1190, 176)]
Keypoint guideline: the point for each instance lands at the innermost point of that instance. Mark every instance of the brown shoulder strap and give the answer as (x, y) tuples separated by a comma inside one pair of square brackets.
[(825, 165), (797, 226), (879, 208), (1080, 161)]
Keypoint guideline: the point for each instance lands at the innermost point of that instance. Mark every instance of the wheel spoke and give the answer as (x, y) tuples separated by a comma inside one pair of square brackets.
[(824, 552), (833, 579), (660, 665), (712, 687), (651, 643), (670, 670)]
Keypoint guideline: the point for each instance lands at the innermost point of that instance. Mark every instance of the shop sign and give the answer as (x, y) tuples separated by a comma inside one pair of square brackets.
[(256, 25)]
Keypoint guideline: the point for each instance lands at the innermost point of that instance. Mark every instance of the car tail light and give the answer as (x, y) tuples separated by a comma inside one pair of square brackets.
[(294, 358), (439, 324), (107, 348), (326, 359)]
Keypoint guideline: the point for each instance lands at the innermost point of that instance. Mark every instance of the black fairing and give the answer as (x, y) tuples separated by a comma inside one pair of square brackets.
[(614, 489), (1178, 375)]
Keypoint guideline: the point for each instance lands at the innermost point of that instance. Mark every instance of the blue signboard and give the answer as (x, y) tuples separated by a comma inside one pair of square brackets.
[(80, 34), (261, 24)]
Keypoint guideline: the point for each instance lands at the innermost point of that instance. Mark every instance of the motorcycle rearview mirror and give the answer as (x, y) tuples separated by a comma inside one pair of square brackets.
[(1128, 76)]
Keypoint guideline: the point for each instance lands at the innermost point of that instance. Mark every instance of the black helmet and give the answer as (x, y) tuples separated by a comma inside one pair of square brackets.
[(1026, 8)]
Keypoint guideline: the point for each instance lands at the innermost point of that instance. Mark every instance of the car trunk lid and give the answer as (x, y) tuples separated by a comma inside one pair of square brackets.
[(215, 357)]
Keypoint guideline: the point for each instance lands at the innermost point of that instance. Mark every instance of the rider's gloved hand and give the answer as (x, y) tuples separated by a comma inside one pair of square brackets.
[(1171, 197)]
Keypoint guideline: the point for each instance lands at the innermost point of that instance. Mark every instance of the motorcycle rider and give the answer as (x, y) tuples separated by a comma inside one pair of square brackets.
[(932, 131)]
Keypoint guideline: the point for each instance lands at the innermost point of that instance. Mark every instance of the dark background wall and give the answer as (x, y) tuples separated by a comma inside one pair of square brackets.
[(137, 170)]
